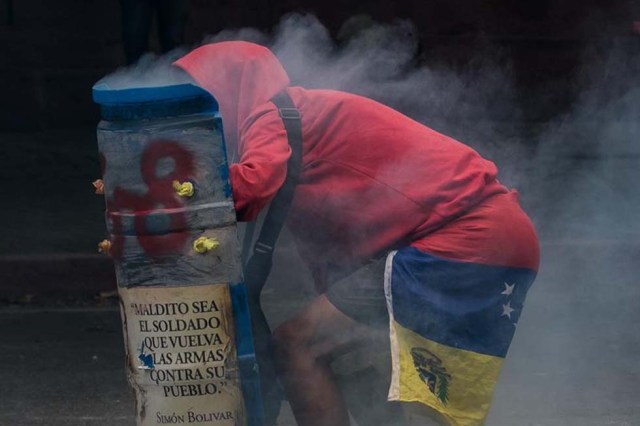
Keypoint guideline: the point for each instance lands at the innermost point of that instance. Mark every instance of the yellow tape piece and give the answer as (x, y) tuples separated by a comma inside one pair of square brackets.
[(99, 186), (204, 244), (183, 189), (104, 246)]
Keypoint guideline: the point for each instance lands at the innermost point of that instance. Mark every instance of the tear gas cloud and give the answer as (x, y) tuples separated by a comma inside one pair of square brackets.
[(577, 174), (581, 188), (587, 160), (478, 104), (149, 71), (381, 62)]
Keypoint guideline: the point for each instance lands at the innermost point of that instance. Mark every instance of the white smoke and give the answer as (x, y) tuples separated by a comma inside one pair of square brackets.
[(149, 71), (475, 104), (587, 159), (577, 173)]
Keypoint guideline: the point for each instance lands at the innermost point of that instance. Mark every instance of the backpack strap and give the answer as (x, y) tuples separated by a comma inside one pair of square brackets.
[(259, 265), (277, 214)]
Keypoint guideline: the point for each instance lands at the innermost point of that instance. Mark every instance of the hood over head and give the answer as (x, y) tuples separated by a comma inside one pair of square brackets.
[(240, 75)]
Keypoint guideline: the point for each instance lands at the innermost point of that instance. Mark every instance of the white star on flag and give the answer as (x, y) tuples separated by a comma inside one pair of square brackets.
[(506, 310), (508, 289)]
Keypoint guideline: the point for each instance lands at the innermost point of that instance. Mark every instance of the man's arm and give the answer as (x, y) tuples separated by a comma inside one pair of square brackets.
[(261, 171)]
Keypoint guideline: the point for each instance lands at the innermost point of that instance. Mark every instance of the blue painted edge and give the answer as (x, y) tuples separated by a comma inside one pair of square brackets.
[(224, 168), (249, 374), (103, 94)]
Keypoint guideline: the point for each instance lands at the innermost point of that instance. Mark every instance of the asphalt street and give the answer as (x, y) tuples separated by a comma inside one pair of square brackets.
[(573, 361)]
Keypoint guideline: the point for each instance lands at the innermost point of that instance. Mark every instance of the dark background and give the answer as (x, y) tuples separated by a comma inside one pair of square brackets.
[(53, 52), (574, 358)]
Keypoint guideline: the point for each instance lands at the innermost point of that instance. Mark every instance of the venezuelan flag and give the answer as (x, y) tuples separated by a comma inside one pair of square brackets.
[(451, 326)]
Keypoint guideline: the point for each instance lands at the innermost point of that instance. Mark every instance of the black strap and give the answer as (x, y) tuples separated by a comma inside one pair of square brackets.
[(258, 267), (279, 208)]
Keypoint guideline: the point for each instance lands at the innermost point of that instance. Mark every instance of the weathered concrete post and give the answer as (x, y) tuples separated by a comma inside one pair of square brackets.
[(173, 240)]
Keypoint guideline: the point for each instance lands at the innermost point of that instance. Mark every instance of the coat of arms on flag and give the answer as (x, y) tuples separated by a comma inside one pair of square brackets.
[(432, 372)]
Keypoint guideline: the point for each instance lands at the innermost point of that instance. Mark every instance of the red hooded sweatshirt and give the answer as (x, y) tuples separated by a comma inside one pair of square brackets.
[(372, 179)]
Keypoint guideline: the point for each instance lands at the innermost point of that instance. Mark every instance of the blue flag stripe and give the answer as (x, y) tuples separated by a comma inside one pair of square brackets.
[(459, 304)]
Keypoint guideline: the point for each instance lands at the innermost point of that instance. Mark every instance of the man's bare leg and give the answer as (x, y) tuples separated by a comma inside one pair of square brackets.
[(303, 347)]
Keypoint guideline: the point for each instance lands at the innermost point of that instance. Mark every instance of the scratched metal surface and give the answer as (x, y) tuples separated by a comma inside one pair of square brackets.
[(152, 228)]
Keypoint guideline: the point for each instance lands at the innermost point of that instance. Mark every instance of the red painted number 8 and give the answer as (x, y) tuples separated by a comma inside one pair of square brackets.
[(160, 196)]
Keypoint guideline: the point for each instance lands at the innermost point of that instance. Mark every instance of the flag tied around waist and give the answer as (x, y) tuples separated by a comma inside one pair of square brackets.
[(451, 324)]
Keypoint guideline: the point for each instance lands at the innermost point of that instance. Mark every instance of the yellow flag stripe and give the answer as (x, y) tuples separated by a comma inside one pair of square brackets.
[(456, 383)]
